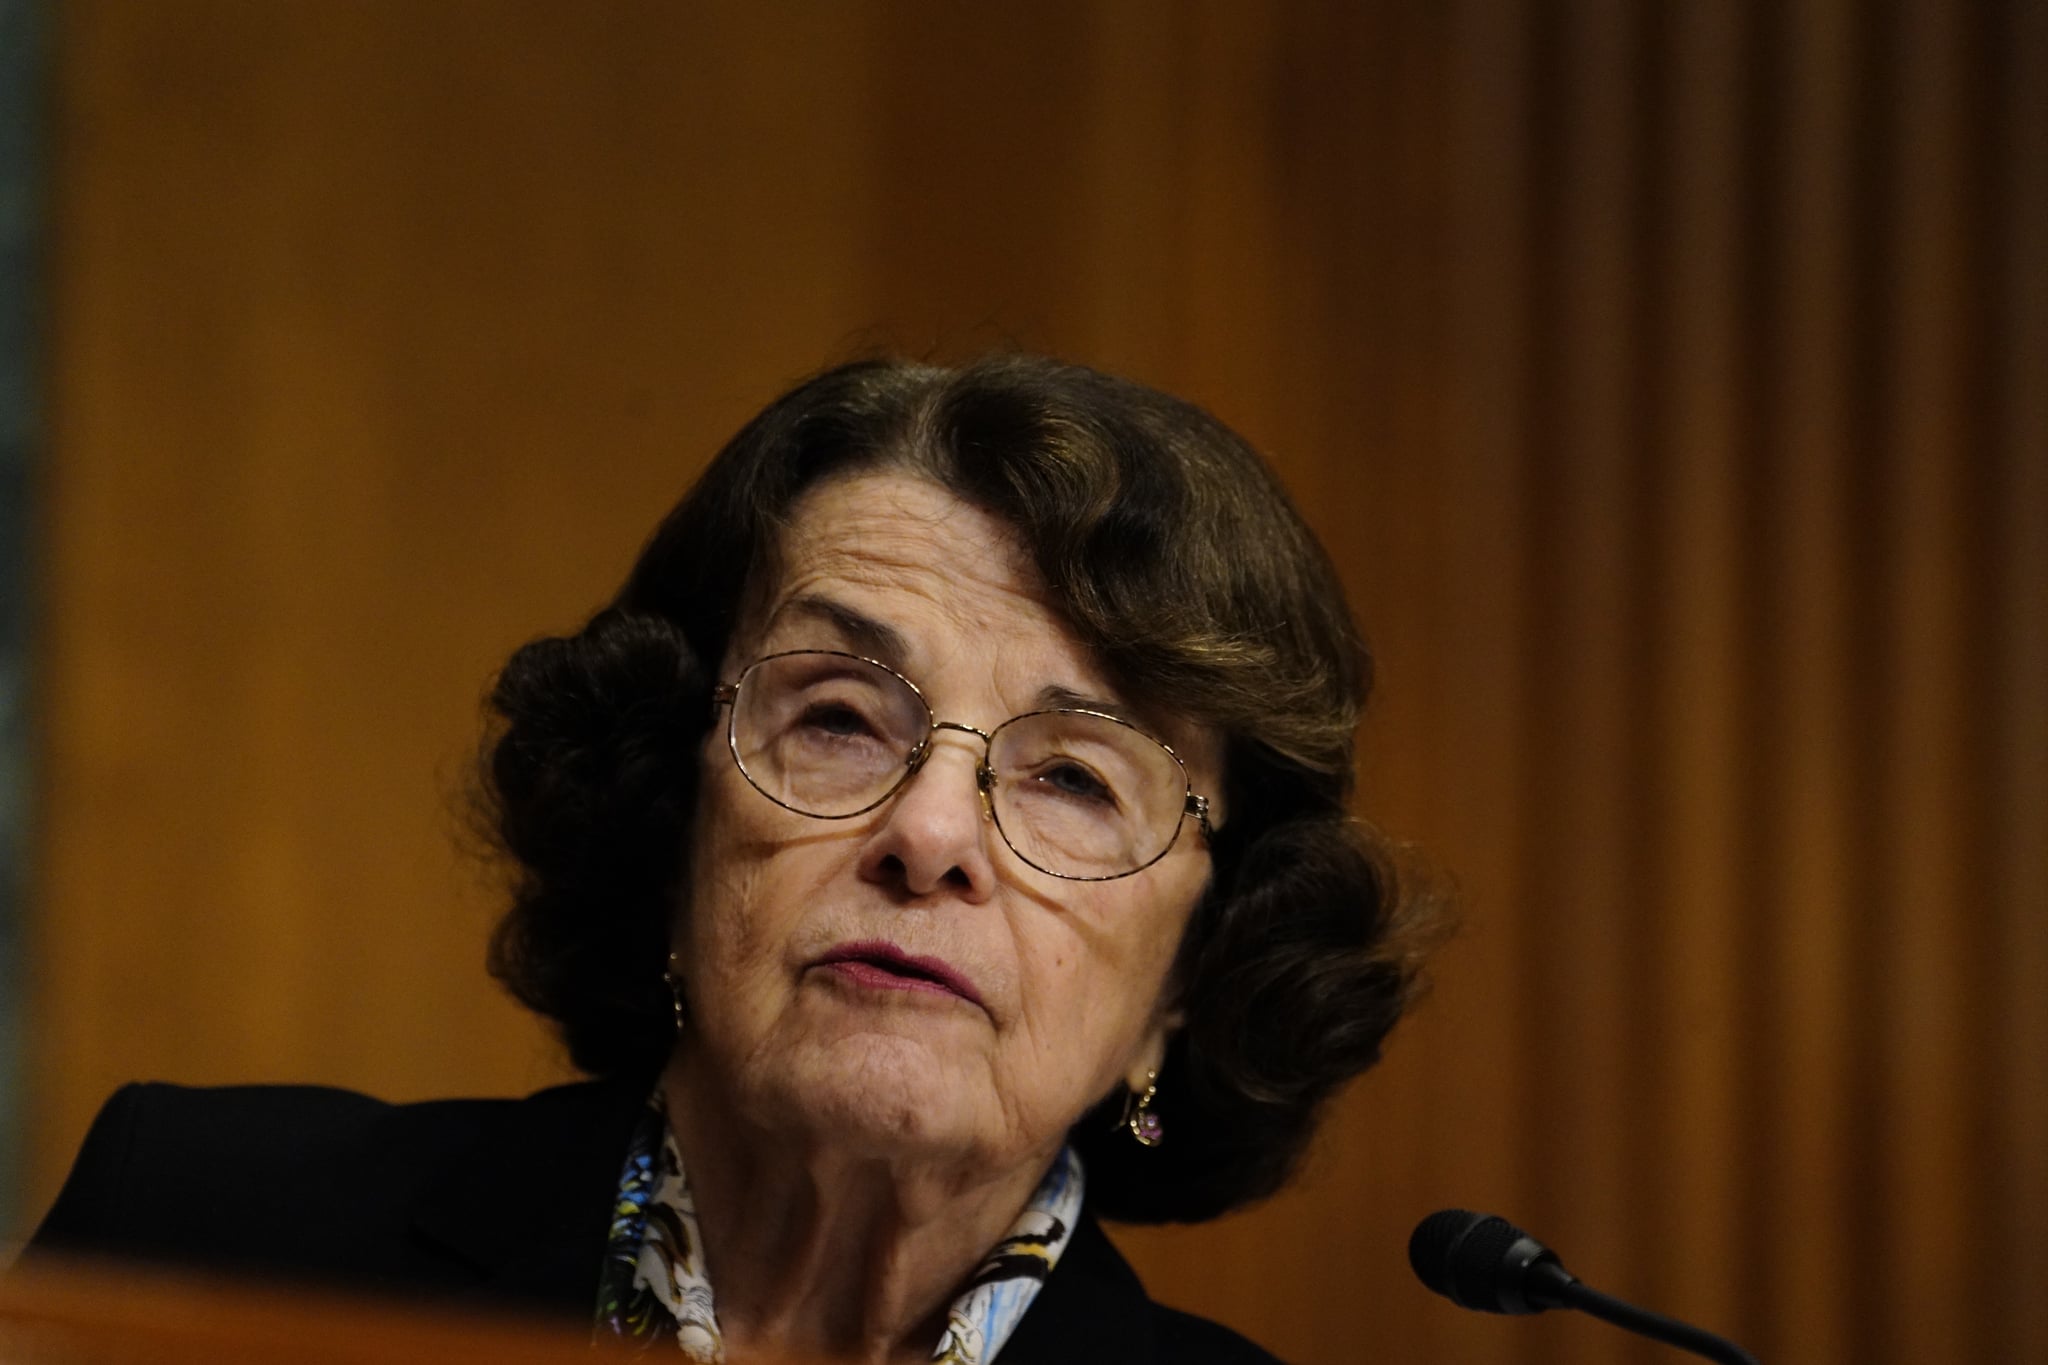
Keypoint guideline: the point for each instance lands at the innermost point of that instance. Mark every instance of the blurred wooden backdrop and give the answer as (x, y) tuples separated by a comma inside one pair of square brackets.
[(1671, 380)]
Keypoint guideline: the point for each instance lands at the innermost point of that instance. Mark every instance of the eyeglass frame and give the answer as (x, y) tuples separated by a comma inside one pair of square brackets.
[(1193, 803)]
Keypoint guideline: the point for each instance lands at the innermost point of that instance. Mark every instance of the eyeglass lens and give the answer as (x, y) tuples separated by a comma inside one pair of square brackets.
[(1075, 794)]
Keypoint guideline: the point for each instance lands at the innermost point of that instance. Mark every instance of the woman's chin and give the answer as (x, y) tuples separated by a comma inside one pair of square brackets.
[(883, 1096)]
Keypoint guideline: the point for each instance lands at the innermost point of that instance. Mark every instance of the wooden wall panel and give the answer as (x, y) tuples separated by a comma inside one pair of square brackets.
[(2017, 354), (1699, 703), (1806, 967), (1928, 917), (1667, 379)]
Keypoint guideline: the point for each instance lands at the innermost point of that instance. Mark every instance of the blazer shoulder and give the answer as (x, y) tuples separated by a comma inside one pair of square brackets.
[(1094, 1307), (188, 1174), (1185, 1337)]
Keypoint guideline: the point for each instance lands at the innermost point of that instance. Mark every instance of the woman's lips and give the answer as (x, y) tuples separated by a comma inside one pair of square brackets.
[(884, 966)]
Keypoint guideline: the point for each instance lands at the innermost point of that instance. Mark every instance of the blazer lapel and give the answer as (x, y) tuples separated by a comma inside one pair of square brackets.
[(1092, 1307), (528, 1205)]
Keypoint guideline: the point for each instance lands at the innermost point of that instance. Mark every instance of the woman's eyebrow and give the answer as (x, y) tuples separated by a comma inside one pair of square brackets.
[(1052, 695), (863, 634), (860, 632)]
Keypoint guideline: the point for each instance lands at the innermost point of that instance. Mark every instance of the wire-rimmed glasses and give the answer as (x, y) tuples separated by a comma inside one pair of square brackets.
[(1077, 794)]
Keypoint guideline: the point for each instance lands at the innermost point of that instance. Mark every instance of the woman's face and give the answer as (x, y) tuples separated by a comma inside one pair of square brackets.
[(785, 944)]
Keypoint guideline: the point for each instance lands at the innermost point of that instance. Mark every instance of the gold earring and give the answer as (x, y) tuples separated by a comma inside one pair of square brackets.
[(1138, 1118), (675, 988)]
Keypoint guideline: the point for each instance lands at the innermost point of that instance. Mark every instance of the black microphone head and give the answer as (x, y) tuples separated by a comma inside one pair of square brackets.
[(1479, 1261)]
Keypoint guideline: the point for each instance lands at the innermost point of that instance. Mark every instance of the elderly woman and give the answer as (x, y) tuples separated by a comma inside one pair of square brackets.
[(938, 843)]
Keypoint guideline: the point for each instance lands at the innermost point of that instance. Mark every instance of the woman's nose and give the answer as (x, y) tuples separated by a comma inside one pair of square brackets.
[(934, 832)]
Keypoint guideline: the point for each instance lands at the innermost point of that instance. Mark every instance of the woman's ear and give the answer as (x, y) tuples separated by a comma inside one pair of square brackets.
[(1151, 1053)]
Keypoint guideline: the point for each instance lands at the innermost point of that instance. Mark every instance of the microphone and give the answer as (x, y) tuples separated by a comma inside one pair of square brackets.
[(1486, 1263)]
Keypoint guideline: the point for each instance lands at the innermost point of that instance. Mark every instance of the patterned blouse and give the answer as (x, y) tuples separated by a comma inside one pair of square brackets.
[(653, 1286)]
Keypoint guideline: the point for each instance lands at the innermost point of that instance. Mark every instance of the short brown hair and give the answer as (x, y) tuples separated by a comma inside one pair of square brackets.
[(1175, 556)]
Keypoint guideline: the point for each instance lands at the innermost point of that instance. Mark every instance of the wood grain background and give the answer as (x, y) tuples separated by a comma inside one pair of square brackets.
[(1670, 380)]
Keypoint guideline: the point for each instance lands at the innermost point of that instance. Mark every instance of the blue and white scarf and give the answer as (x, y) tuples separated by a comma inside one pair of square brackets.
[(654, 1287)]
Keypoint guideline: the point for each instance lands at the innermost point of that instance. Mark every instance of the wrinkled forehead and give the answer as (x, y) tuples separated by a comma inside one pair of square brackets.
[(892, 536), (895, 567)]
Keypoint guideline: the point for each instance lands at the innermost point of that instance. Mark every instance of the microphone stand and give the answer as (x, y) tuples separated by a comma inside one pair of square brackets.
[(1686, 1337), (1484, 1262)]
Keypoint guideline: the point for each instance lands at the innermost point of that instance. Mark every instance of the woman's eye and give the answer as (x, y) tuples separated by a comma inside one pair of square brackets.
[(1071, 779), (835, 719)]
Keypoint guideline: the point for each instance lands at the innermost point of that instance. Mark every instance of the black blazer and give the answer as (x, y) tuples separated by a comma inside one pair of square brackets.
[(411, 1201)]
